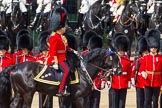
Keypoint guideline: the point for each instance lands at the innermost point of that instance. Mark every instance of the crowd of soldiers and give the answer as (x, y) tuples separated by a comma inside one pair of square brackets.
[(145, 73)]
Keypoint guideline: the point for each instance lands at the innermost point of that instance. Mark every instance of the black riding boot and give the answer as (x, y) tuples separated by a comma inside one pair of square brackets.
[(33, 25)]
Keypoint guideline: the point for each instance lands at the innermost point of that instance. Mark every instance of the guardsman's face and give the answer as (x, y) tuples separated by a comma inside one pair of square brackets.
[(121, 53), (2, 52), (145, 53), (25, 51), (153, 50)]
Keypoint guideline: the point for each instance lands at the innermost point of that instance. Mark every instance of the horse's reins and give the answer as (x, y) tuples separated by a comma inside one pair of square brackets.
[(100, 20), (89, 78)]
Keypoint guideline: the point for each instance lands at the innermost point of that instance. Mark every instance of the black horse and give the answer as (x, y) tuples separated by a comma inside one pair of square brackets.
[(127, 23), (96, 19), (24, 85), (155, 21)]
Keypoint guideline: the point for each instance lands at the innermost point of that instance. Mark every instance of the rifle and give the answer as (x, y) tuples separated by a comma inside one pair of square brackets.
[(137, 68)]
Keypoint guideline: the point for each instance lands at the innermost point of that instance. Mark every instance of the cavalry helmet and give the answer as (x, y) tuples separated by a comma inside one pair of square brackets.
[(42, 40), (4, 42), (87, 35), (142, 45), (58, 19), (122, 43), (95, 42), (153, 38)]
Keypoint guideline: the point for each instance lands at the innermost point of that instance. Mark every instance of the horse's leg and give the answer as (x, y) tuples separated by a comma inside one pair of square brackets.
[(17, 101), (80, 103), (28, 97), (65, 102)]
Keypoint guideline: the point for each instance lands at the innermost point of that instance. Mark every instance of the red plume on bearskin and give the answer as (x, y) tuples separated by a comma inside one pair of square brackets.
[(58, 19)]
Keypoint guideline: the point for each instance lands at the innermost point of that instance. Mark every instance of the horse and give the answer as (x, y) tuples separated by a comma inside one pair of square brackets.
[(126, 23), (21, 79), (96, 19), (155, 21)]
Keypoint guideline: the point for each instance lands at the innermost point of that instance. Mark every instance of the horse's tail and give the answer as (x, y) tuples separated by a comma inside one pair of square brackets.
[(5, 85)]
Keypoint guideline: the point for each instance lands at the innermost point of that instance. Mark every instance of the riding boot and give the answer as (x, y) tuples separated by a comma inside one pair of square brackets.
[(43, 17), (33, 25)]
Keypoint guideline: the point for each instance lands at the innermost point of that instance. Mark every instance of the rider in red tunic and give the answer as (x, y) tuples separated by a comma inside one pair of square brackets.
[(5, 57), (58, 46), (25, 46)]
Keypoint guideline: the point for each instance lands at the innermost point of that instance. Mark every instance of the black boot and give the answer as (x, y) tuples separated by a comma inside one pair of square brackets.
[(33, 25)]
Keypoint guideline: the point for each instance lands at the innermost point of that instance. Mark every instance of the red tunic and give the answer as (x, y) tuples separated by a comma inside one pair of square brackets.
[(23, 58), (40, 58), (58, 47), (121, 81), (5, 61), (153, 66), (139, 79)]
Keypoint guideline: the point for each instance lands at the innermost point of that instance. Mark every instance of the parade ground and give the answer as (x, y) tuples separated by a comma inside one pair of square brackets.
[(130, 102)]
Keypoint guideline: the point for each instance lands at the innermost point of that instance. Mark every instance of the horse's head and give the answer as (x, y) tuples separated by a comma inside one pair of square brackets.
[(130, 12), (100, 60)]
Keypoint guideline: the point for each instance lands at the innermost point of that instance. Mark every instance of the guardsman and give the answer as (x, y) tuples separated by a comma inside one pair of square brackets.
[(152, 69), (96, 42), (136, 76), (120, 83), (45, 101), (25, 46), (58, 46), (5, 56)]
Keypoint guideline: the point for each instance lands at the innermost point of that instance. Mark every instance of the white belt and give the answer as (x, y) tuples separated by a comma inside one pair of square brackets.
[(124, 73)]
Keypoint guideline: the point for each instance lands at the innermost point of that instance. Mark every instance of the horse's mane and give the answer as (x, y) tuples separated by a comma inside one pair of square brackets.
[(73, 60), (96, 7), (93, 54)]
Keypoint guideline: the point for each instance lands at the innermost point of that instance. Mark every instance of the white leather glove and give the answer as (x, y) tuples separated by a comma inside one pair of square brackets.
[(55, 66), (144, 74), (75, 52), (108, 84), (133, 81), (129, 84), (102, 85)]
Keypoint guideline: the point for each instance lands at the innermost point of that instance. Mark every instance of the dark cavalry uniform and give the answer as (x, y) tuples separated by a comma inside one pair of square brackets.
[(120, 83)]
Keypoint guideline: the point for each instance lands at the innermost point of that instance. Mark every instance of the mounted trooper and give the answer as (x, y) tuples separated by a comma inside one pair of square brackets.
[(42, 11)]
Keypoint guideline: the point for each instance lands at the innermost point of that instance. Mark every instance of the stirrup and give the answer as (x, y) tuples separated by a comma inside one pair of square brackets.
[(63, 94)]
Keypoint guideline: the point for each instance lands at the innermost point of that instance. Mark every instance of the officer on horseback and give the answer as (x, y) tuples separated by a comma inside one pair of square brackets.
[(58, 46)]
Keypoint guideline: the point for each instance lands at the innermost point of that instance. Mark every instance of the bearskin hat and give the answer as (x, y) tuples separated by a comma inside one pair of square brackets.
[(4, 42), (58, 19), (142, 45), (115, 36), (42, 40), (153, 38), (87, 35), (122, 43), (25, 41), (95, 42)]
